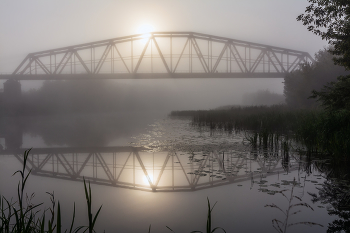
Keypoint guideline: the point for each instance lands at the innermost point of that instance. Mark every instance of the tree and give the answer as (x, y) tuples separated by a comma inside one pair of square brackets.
[(299, 84), (330, 19), (335, 95)]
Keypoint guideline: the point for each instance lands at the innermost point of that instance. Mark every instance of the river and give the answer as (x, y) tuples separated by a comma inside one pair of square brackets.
[(146, 168)]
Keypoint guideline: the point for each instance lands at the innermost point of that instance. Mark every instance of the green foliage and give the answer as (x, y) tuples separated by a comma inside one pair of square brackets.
[(330, 20), (298, 85), (336, 95)]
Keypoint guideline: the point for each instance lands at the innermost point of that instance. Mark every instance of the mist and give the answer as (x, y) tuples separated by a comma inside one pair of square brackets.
[(62, 97)]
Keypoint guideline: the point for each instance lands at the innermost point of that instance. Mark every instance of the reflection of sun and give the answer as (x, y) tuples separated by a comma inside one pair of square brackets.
[(145, 180)]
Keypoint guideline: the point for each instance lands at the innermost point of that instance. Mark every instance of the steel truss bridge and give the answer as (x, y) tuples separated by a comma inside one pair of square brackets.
[(160, 55), (135, 168)]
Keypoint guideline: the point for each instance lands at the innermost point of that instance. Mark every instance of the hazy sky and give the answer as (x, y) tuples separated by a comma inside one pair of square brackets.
[(35, 25)]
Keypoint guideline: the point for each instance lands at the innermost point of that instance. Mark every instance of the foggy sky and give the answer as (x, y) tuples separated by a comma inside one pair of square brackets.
[(36, 25)]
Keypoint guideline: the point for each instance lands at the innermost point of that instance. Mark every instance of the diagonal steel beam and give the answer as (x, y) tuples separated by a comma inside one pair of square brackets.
[(82, 62), (68, 164), (219, 58), (84, 164), (161, 55), (29, 161), (272, 62), (63, 165), (141, 57), (200, 55), (121, 171), (182, 168), (234, 56), (42, 164), (65, 63), (300, 60), (291, 65), (181, 55), (162, 170), (59, 64), (103, 58), (240, 58), (144, 170), (22, 63), (200, 168), (31, 60), (278, 61), (105, 167), (257, 61), (121, 58), (47, 71)]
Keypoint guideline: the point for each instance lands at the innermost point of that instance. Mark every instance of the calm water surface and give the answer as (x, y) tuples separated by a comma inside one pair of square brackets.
[(148, 169)]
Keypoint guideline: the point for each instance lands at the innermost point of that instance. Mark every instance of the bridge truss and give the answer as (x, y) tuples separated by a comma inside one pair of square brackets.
[(161, 54), (133, 168)]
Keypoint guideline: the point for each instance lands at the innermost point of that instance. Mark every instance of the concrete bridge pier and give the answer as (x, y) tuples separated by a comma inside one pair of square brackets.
[(12, 94), (11, 98)]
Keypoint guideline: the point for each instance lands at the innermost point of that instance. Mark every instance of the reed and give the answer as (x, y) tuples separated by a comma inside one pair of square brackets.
[(315, 131), (209, 221), (18, 216)]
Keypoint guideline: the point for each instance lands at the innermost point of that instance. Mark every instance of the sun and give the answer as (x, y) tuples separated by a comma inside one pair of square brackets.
[(145, 29)]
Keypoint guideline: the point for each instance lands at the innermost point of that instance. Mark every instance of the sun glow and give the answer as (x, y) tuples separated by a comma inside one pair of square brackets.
[(145, 30)]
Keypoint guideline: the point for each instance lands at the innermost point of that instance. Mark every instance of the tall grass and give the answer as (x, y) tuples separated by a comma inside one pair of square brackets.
[(209, 222), (18, 216)]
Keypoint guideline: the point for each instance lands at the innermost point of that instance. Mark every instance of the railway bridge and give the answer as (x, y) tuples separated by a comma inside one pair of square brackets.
[(160, 55), (155, 55)]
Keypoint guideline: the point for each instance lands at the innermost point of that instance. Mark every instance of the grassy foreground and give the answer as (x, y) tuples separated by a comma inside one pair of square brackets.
[(21, 216)]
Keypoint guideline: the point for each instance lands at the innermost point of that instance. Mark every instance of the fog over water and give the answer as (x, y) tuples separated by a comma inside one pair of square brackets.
[(159, 95)]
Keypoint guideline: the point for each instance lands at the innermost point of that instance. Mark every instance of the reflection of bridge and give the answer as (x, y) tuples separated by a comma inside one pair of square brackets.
[(160, 55), (134, 168)]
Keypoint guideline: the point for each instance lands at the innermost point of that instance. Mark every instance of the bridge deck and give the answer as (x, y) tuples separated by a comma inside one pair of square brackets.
[(140, 76)]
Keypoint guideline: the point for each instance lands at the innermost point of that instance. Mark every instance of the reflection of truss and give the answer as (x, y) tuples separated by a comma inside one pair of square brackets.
[(177, 54), (133, 168)]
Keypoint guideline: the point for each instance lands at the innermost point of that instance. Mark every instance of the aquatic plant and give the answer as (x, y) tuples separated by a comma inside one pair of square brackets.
[(92, 220), (281, 226), (20, 217), (316, 132)]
